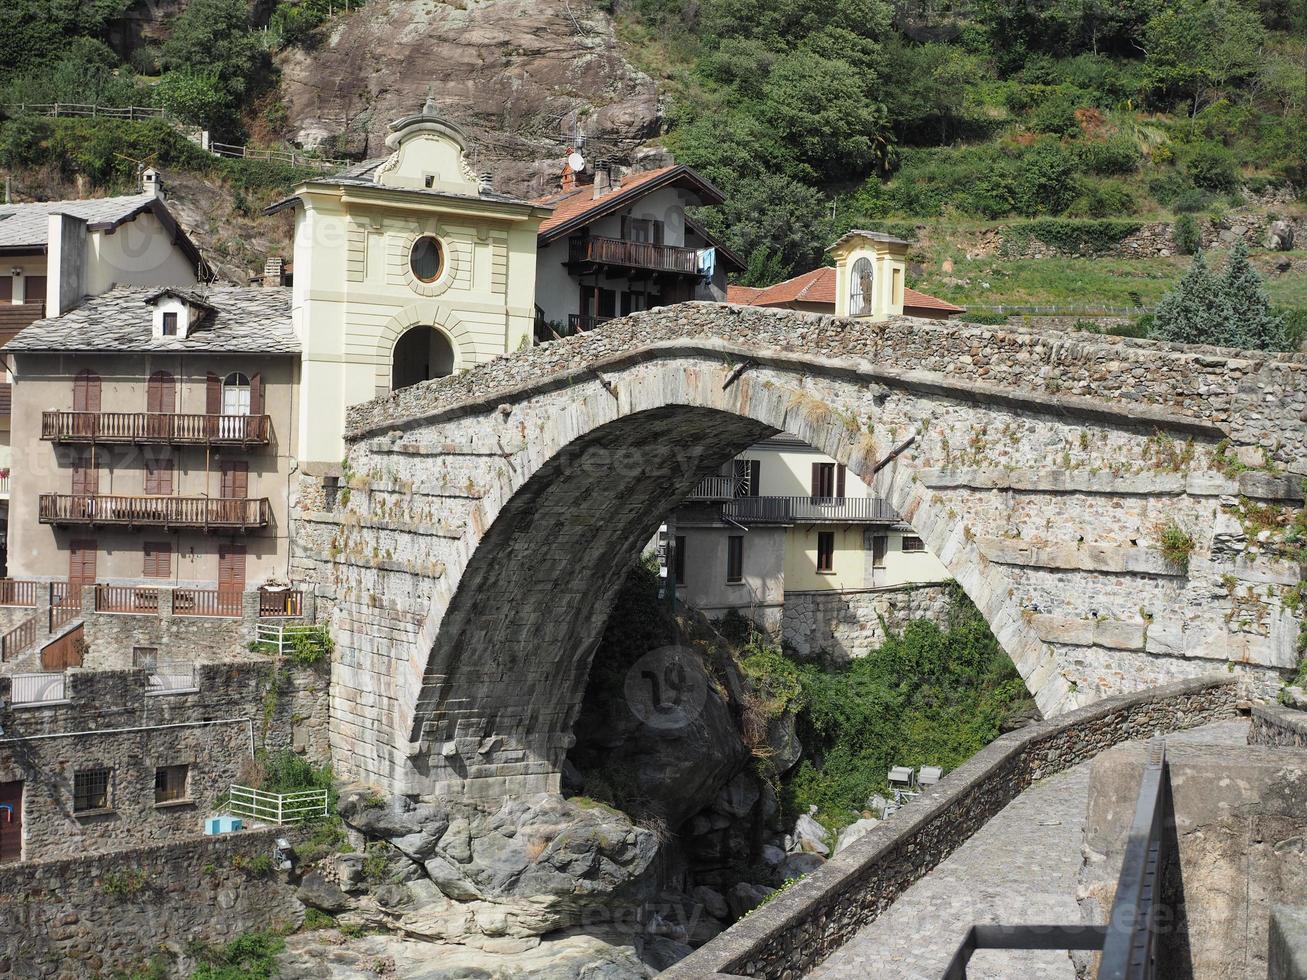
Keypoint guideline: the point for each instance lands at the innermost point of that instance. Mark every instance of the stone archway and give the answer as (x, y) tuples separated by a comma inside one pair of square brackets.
[(428, 314), (474, 569), (421, 354)]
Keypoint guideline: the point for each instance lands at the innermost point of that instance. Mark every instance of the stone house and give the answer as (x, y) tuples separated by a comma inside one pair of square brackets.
[(155, 437), (616, 246), (54, 253)]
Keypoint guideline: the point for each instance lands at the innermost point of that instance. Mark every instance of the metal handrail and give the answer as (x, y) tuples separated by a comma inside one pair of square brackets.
[(278, 808), (717, 487), (805, 510), (1129, 940)]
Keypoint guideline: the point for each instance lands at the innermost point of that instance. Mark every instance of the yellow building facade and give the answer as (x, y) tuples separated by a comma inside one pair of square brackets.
[(406, 269), (870, 274)]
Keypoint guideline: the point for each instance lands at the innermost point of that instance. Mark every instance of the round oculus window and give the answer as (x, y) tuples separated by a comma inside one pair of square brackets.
[(427, 260)]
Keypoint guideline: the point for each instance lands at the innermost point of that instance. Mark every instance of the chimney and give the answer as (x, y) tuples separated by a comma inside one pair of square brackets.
[(152, 182), (486, 182), (569, 175), (274, 272), (603, 178)]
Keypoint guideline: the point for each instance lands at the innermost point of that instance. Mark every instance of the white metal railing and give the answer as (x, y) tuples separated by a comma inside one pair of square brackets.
[(278, 808), (173, 680), (37, 688), (282, 635)]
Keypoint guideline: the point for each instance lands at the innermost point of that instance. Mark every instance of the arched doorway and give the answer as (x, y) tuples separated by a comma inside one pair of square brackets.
[(421, 354)]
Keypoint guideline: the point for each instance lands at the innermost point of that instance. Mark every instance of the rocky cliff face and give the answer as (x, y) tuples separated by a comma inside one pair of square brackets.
[(522, 76)]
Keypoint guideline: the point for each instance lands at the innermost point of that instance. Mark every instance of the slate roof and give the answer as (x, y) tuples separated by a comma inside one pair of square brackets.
[(818, 286), (364, 175), (28, 224), (245, 320)]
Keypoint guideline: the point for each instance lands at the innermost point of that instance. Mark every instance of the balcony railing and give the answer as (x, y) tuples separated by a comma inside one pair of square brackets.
[(634, 255), (281, 604), (127, 599), (207, 602), (20, 637), (19, 592), (581, 322), (170, 429), (65, 604), (203, 513), (716, 487), (809, 510)]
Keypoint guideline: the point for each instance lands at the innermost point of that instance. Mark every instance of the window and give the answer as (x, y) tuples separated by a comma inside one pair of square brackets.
[(748, 477), (913, 543), (825, 551), (170, 324), (170, 783), (146, 658), (828, 479), (860, 287), (427, 259), (157, 559), (90, 790), (678, 560), (735, 558), (879, 548), (236, 395)]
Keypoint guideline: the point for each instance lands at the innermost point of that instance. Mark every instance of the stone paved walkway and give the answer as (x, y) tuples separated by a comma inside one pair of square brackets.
[(1020, 868)]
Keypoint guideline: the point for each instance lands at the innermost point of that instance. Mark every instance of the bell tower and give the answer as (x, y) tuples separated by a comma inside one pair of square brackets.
[(407, 268)]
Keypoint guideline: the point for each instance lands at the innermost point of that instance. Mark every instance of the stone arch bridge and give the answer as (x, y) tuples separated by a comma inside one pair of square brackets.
[(475, 537)]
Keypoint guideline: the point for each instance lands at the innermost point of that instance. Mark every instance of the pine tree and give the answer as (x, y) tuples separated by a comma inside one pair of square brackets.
[(1255, 325), (1196, 311)]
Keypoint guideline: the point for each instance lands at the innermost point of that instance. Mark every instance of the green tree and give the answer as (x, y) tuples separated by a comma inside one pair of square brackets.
[(1196, 311), (213, 39), (790, 218), (1258, 327), (1192, 46), (199, 99)]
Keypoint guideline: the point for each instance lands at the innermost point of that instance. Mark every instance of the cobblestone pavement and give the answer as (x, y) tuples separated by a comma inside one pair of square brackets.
[(1019, 869)]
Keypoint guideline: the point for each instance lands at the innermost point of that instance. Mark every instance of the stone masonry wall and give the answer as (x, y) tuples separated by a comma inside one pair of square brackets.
[(111, 719), (803, 925), (1274, 724), (843, 625), (92, 916), (481, 523)]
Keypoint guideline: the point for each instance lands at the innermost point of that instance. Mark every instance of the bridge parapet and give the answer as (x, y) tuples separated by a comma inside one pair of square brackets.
[(1256, 399), (800, 927)]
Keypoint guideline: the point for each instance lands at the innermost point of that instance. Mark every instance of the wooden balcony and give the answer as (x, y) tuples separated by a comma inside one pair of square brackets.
[(620, 253), (582, 322), (810, 510), (199, 513), (149, 427)]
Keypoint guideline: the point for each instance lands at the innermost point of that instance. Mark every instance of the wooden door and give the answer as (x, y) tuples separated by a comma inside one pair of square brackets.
[(64, 652), (86, 473), (160, 403), (11, 821), (86, 391), (231, 577), (81, 566), (235, 479), (34, 290)]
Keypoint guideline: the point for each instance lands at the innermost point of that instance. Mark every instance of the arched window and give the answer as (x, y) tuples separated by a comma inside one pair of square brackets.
[(860, 287), (236, 394), (421, 354), (86, 391), (161, 394)]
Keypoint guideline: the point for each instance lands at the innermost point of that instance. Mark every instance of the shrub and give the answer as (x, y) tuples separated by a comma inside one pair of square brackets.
[(1295, 328), (1211, 166), (1192, 200), (986, 319), (1188, 239), (1176, 545), (309, 648), (252, 956), (1114, 157), (1101, 199), (1071, 235)]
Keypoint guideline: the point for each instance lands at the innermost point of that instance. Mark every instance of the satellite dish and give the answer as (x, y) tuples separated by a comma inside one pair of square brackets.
[(576, 162)]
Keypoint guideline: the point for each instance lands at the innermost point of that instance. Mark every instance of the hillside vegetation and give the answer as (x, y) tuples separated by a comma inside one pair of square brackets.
[(820, 115)]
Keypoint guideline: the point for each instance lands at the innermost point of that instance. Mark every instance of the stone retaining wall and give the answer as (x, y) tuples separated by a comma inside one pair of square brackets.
[(843, 625), (110, 720), (802, 926), (1275, 724), (92, 916)]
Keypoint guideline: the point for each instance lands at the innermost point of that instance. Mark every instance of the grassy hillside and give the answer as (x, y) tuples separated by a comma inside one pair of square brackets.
[(827, 114)]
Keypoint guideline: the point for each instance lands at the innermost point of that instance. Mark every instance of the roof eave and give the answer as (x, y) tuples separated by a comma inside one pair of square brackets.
[(609, 203)]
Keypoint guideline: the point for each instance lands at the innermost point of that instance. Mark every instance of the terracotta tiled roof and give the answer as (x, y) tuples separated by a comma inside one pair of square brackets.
[(742, 295), (915, 300), (818, 287), (580, 201)]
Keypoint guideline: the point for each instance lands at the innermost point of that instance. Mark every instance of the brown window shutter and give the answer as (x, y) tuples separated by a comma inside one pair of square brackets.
[(157, 559), (213, 395), (816, 479), (839, 480), (158, 477), (86, 391), (235, 479), (256, 393)]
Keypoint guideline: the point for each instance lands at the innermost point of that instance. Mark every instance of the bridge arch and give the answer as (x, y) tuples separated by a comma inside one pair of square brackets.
[(493, 513)]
